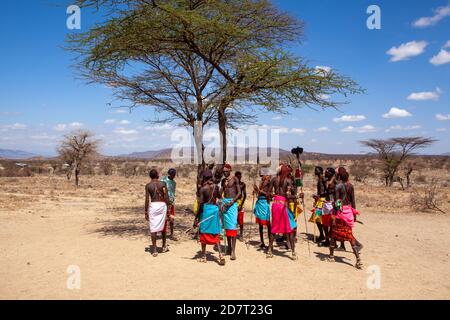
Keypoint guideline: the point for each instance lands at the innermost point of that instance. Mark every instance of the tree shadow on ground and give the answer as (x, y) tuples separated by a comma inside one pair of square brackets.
[(129, 222)]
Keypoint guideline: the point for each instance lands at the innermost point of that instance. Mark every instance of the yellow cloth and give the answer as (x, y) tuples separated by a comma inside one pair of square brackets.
[(195, 207), (319, 203), (315, 218), (298, 210)]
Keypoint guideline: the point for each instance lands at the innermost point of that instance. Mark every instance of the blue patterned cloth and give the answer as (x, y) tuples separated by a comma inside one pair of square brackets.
[(230, 216), (210, 217), (262, 209)]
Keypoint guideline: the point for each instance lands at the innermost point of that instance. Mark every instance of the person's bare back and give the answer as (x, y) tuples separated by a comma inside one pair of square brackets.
[(157, 191)]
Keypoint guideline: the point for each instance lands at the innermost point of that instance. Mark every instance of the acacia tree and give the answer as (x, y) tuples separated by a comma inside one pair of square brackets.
[(76, 148), (201, 61), (393, 152)]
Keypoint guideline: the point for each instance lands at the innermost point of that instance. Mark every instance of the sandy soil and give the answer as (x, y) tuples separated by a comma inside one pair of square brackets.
[(48, 225)]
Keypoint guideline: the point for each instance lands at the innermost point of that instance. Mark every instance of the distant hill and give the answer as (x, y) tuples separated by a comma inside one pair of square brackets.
[(152, 154), (16, 154), (446, 154)]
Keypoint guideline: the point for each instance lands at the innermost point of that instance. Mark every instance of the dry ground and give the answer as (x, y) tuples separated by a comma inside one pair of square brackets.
[(48, 225)]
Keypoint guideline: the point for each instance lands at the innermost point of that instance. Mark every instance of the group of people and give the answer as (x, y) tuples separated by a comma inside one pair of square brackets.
[(334, 211), (219, 209)]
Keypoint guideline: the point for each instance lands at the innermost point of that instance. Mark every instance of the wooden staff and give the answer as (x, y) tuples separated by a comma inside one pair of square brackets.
[(298, 151)]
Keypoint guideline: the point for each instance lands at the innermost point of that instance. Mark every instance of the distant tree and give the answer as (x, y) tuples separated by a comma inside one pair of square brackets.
[(393, 152), (77, 148)]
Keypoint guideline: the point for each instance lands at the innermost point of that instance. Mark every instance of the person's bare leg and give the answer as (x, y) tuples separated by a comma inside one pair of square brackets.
[(332, 247), (221, 258), (203, 255), (270, 251), (172, 234), (290, 237), (241, 232), (233, 248), (261, 236), (321, 236), (164, 245), (355, 249), (154, 250), (326, 230), (228, 246)]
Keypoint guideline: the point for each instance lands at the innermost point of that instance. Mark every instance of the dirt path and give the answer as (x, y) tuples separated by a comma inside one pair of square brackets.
[(106, 236)]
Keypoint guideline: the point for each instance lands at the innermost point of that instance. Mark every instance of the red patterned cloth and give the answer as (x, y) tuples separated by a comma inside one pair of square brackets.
[(340, 231), (206, 238), (326, 220), (262, 222), (231, 233), (241, 217)]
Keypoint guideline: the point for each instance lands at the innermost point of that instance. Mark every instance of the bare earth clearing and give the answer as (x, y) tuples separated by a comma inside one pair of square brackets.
[(48, 225)]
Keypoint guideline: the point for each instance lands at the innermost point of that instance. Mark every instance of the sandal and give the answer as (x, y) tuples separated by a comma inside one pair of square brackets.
[(269, 255), (331, 259), (358, 264), (165, 249), (202, 260), (222, 261)]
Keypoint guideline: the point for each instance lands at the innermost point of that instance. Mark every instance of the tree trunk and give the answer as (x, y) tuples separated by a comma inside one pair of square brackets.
[(200, 149), (223, 135), (77, 172), (408, 178)]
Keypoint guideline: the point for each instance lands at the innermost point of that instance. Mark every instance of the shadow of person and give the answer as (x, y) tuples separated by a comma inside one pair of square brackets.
[(324, 257), (209, 257)]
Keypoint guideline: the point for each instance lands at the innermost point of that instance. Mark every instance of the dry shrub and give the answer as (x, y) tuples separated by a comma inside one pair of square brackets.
[(427, 199), (106, 167), (421, 179), (360, 171)]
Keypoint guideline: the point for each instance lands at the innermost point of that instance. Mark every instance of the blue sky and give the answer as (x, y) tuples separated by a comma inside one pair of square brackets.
[(404, 66)]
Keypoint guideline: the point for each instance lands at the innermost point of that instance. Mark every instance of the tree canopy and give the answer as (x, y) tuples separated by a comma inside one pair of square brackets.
[(204, 61)]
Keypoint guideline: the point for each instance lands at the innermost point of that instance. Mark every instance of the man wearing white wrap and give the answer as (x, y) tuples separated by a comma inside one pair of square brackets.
[(156, 199)]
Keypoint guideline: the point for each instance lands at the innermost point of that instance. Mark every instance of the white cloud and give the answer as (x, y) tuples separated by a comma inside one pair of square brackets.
[(442, 117), (64, 126), (441, 129), (350, 118), (110, 121), (323, 69), (446, 45), (439, 14), (396, 113), (159, 127), (322, 129), (18, 126), (124, 122), (277, 118), (428, 95), (403, 128), (407, 50), (76, 125), (124, 131), (119, 111), (15, 126), (298, 131), (60, 127), (363, 129), (441, 58)]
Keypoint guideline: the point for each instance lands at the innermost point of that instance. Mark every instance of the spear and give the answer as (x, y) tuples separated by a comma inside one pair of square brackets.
[(299, 183)]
